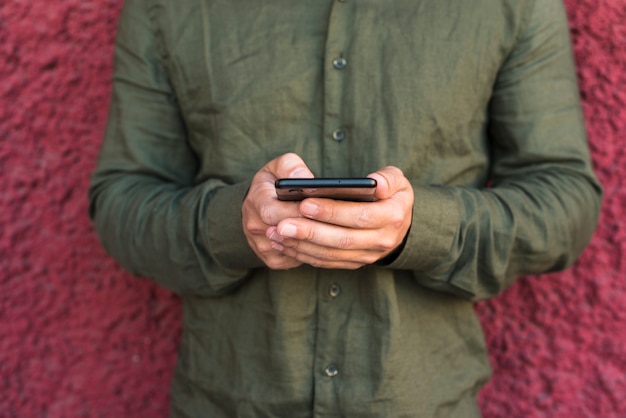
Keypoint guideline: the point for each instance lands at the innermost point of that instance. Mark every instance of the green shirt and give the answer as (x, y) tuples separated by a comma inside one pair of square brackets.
[(477, 103)]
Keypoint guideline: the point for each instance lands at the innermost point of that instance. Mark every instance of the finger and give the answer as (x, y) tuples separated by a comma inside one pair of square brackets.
[(272, 211), (359, 215), (303, 234), (280, 261), (348, 260), (261, 209), (389, 181), (395, 198), (262, 205), (289, 165), (272, 258)]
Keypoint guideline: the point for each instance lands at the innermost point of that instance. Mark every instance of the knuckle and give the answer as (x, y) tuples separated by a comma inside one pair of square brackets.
[(288, 156), (328, 255), (280, 263), (248, 225), (266, 214), (275, 264), (265, 247), (316, 263), (252, 227), (371, 260), (396, 171), (364, 218), (262, 251), (327, 212), (292, 244), (310, 234), (355, 266), (284, 266), (397, 218), (345, 241), (387, 243), (288, 161)]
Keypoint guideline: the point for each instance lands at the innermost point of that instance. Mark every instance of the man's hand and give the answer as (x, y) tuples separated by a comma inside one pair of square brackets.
[(329, 233), (261, 209)]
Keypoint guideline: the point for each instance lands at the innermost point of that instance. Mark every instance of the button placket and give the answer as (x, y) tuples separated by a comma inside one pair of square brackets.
[(339, 64), (331, 369), (336, 78), (336, 127)]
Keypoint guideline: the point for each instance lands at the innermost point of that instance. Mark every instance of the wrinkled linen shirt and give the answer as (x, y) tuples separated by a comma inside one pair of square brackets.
[(476, 101)]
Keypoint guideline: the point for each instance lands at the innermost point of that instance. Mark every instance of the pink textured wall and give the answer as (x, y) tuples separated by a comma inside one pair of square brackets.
[(81, 338)]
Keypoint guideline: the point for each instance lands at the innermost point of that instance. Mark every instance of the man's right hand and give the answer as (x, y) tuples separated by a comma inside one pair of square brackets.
[(262, 209)]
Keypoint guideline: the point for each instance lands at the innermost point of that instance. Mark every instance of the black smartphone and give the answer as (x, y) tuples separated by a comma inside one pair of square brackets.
[(352, 189)]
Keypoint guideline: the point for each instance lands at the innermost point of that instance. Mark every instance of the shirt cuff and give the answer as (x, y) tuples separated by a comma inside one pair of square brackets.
[(434, 228), (226, 240)]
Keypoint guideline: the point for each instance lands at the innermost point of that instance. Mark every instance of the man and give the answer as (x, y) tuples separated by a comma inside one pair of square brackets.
[(467, 115)]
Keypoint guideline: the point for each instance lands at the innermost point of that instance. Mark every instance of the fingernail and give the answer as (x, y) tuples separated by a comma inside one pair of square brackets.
[(275, 237), (276, 246), (288, 230), (308, 208)]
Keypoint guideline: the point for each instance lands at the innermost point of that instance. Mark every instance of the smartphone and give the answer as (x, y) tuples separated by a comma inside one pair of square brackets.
[(352, 189)]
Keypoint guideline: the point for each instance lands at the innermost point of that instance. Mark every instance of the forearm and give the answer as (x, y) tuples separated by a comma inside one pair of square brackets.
[(150, 211), (544, 199), (475, 243), (185, 238)]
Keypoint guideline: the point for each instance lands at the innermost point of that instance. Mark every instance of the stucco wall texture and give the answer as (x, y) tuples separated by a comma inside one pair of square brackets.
[(81, 338)]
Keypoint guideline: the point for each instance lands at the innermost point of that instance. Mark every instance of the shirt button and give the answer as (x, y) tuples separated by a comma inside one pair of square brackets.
[(339, 135), (340, 63), (331, 370), (334, 290)]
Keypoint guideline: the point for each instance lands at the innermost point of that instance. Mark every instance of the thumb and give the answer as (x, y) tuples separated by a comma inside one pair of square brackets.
[(389, 181), (290, 165)]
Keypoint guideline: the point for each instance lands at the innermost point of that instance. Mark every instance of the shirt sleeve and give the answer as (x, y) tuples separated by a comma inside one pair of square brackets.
[(148, 210), (543, 201)]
